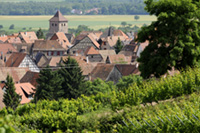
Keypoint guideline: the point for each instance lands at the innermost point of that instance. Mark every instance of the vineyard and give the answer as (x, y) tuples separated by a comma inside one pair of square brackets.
[(124, 109)]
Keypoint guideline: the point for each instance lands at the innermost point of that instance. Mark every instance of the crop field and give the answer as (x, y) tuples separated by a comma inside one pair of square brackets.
[(92, 21)]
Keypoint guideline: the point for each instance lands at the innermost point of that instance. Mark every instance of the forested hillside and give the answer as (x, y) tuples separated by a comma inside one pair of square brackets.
[(109, 7)]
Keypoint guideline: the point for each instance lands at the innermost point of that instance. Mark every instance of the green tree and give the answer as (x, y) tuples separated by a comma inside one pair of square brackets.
[(124, 23), (10, 98), (1, 26), (12, 26), (49, 85), (73, 79), (174, 39), (40, 34), (136, 17), (118, 47)]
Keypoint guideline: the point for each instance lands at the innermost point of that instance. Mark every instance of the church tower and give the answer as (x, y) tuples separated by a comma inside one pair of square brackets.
[(58, 23)]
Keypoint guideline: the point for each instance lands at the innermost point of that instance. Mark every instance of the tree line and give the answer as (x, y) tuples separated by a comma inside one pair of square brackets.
[(49, 8)]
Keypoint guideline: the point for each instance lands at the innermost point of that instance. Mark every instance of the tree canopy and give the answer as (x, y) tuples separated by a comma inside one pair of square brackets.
[(174, 39)]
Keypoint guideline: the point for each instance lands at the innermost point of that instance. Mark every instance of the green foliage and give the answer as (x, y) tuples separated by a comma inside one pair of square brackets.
[(49, 85), (97, 86), (12, 26), (73, 79), (5, 126), (173, 38), (123, 23), (10, 97), (118, 47), (40, 34), (130, 80)]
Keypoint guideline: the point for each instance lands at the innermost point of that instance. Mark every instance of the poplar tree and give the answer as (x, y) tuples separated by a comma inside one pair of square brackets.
[(73, 79), (10, 98), (118, 47)]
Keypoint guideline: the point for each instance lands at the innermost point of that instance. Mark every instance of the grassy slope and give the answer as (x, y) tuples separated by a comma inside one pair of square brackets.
[(93, 21)]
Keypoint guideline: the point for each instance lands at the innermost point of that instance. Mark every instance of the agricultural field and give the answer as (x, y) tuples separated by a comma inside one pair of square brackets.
[(92, 21)]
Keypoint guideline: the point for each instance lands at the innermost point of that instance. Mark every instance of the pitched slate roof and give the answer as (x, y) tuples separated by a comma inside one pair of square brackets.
[(23, 88), (78, 38), (28, 37), (15, 72), (126, 69), (30, 77), (129, 50), (91, 51), (58, 17), (102, 71), (6, 48), (47, 45), (62, 39), (15, 59), (105, 53)]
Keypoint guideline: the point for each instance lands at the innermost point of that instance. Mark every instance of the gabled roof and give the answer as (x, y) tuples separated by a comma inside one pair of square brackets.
[(117, 59), (28, 37), (129, 50), (58, 17), (23, 88), (91, 51), (105, 53), (94, 41), (78, 38), (85, 67), (47, 45), (15, 72), (15, 59), (3, 38), (14, 40), (54, 61), (120, 33), (62, 39), (6, 48), (126, 69), (102, 71), (30, 77)]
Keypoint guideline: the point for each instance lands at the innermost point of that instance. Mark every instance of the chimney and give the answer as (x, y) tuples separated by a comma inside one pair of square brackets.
[(137, 65)]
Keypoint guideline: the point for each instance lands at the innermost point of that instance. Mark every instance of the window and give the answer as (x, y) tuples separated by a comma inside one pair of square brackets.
[(91, 56), (74, 52), (53, 24), (61, 24), (104, 48), (64, 24)]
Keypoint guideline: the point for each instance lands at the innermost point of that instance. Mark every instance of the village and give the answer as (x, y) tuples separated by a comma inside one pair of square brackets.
[(23, 55)]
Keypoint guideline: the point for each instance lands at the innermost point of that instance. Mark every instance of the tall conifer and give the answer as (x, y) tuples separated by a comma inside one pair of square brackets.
[(10, 98)]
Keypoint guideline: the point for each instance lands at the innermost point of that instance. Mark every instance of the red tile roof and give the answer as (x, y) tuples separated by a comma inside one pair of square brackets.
[(24, 87), (58, 17), (28, 37), (91, 51), (30, 77), (6, 48), (48, 45), (94, 41), (62, 39), (14, 40), (3, 38), (15, 59), (15, 72)]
